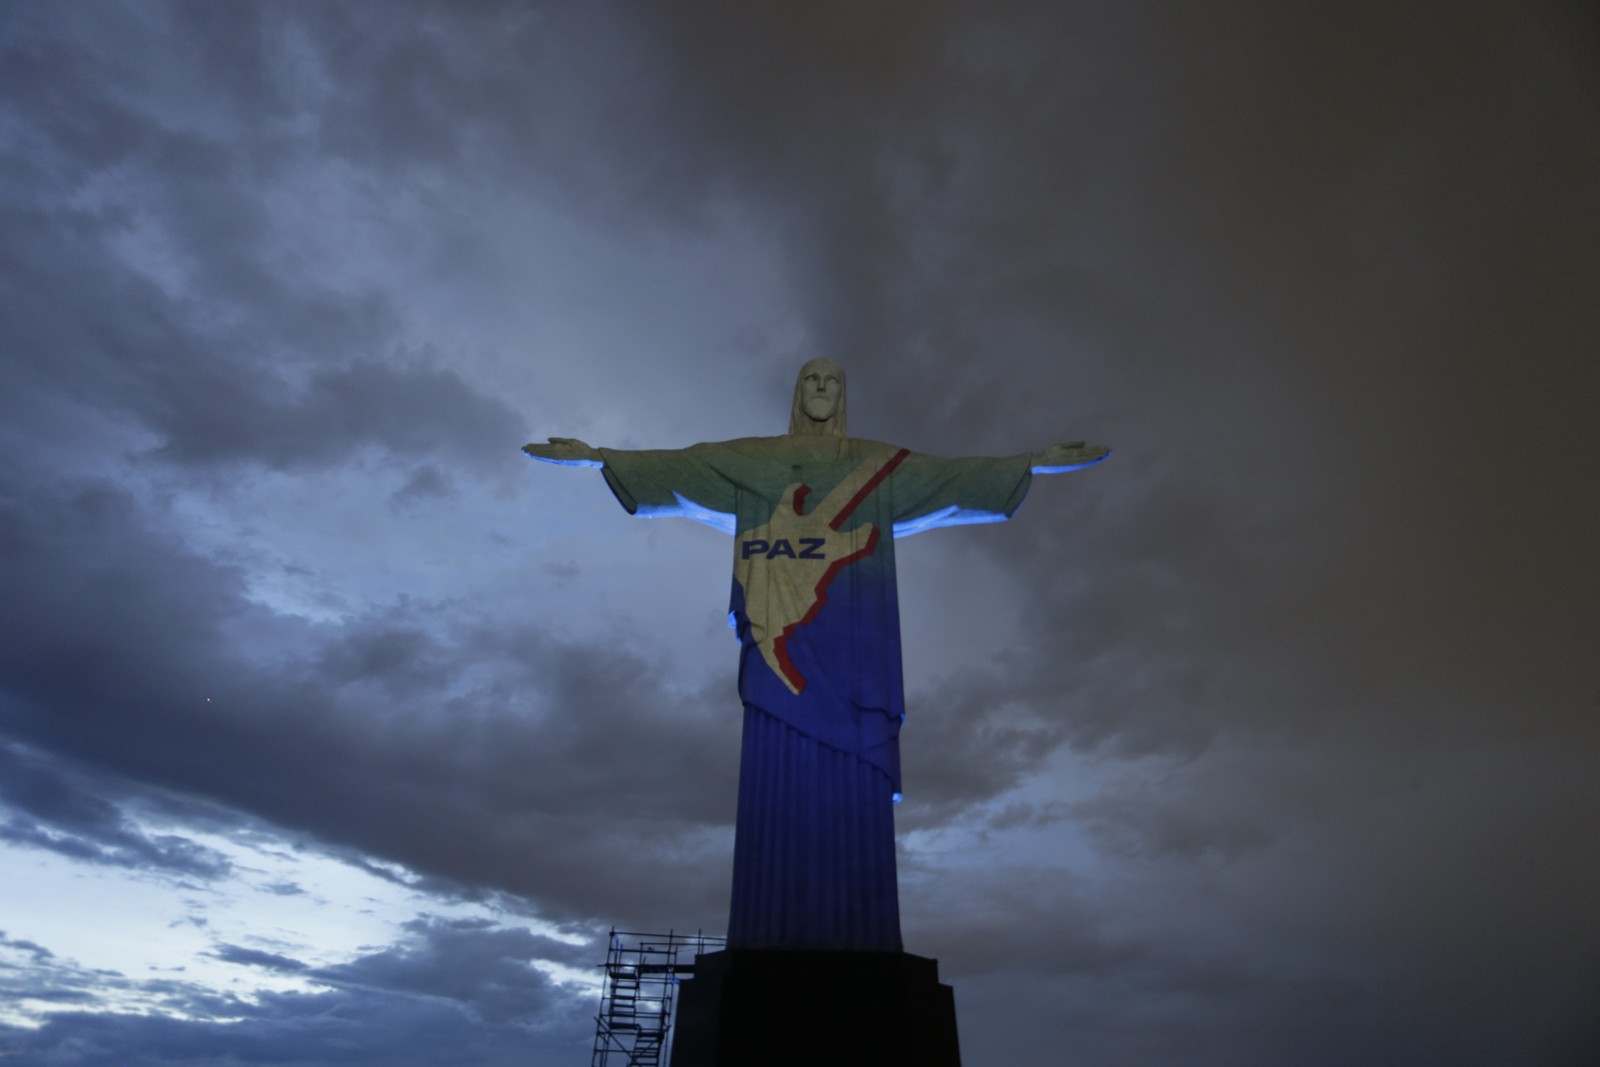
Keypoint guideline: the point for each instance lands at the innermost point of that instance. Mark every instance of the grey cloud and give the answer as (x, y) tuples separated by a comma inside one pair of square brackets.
[(485, 971), (314, 1030), (166, 852), (426, 482), (57, 979), (54, 813), (470, 979), (447, 994), (400, 657), (250, 957), (38, 952), (408, 411)]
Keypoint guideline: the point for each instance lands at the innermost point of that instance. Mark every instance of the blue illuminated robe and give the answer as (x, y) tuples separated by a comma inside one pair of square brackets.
[(814, 603)]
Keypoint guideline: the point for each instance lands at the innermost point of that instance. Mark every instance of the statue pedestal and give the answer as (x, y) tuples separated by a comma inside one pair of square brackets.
[(783, 1006)]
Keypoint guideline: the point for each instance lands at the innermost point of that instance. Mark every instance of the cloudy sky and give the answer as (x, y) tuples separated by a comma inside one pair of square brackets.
[(333, 730)]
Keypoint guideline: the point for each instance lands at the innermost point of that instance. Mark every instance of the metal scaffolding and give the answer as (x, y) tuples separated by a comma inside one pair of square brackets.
[(641, 975)]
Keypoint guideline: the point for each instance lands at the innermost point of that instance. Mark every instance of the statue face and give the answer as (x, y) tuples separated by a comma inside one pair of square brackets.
[(819, 399), (820, 391)]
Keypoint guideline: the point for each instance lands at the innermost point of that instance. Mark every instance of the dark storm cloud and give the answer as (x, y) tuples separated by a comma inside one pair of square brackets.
[(101, 169), (409, 411), (133, 351), (369, 740), (1317, 539), (1311, 301)]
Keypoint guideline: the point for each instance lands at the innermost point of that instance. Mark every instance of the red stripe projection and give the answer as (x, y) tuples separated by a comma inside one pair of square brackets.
[(780, 647), (866, 490)]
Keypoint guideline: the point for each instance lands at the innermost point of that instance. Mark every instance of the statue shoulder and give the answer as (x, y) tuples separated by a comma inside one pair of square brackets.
[(789, 448), (868, 448), (742, 445)]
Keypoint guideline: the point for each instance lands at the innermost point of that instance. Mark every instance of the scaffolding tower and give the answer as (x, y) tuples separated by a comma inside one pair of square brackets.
[(636, 998)]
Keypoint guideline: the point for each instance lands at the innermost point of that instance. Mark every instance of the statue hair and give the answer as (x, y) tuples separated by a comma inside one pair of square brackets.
[(801, 424)]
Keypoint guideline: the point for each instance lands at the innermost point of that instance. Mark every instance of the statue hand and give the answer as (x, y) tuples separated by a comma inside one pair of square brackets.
[(566, 451), (1074, 455)]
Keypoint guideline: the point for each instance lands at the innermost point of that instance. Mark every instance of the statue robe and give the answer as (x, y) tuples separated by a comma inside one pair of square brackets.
[(815, 608)]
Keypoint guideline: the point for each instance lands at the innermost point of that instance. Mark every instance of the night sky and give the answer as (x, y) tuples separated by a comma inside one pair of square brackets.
[(334, 730)]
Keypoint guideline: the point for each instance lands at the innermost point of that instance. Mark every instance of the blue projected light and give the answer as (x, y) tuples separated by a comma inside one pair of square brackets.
[(565, 462), (688, 509), (950, 516), (1066, 468)]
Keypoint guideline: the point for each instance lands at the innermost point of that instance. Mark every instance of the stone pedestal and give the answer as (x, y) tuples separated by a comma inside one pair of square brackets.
[(774, 1007)]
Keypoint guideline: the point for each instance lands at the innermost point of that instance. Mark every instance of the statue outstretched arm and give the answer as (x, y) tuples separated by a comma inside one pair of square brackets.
[(566, 452), (654, 483), (1074, 455)]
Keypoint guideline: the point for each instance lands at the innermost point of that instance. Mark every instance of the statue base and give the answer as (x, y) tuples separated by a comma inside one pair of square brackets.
[(787, 1006)]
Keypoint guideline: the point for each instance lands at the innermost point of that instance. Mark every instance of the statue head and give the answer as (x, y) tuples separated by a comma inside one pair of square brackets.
[(818, 399)]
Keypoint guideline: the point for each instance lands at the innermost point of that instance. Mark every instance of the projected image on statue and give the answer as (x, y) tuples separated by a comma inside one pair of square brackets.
[(815, 514)]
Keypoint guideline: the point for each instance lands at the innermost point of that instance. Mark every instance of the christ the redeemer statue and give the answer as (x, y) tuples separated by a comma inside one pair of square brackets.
[(814, 516)]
